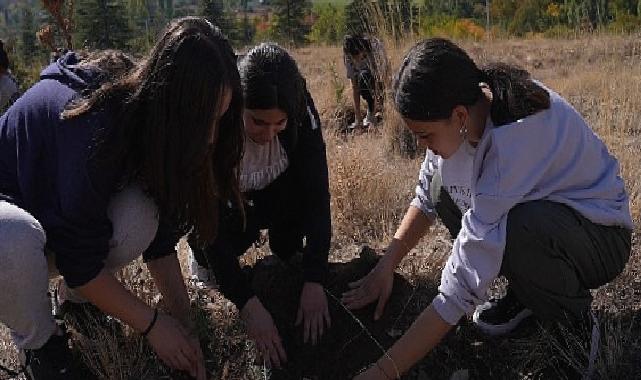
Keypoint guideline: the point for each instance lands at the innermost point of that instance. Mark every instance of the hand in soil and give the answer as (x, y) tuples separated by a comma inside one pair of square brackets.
[(176, 348), (313, 312), (376, 286), (262, 330)]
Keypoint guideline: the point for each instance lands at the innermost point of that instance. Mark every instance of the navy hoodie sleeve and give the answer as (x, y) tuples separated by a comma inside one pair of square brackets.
[(44, 170), (311, 173), (52, 180)]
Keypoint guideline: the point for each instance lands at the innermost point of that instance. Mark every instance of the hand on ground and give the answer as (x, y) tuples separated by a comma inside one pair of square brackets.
[(262, 330), (313, 312), (375, 286), (176, 348)]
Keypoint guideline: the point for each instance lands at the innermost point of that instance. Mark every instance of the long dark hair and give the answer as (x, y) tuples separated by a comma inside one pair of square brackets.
[(356, 43), (270, 79), (163, 114), (437, 75)]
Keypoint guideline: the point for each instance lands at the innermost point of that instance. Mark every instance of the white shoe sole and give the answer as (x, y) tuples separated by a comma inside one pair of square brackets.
[(497, 330)]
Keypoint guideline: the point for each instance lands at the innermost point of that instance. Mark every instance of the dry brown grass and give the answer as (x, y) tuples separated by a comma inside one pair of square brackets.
[(371, 190)]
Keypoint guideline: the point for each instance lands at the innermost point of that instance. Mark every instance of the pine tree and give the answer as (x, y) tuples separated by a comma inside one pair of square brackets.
[(248, 29), (167, 8), (290, 20), (28, 34), (213, 10), (147, 20), (216, 12), (102, 24)]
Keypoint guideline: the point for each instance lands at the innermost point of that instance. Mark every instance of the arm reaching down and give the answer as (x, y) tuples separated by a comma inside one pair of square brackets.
[(420, 216), (424, 334), (167, 336)]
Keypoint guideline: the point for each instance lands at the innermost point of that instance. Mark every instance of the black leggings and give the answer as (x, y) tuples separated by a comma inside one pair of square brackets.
[(553, 255), (366, 87)]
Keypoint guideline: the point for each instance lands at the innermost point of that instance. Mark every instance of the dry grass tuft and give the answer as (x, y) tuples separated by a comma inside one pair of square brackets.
[(370, 189)]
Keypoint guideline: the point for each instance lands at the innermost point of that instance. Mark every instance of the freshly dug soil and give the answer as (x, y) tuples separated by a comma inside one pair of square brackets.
[(347, 347)]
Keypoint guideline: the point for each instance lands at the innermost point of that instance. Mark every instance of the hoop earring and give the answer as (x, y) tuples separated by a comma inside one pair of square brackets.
[(463, 132)]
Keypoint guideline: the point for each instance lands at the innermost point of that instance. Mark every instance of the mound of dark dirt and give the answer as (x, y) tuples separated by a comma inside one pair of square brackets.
[(347, 347)]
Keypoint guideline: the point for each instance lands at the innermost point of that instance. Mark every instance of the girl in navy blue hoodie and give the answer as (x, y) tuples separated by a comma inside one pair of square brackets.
[(87, 184)]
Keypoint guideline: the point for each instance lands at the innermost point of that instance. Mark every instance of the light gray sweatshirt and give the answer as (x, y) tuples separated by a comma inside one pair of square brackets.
[(552, 155)]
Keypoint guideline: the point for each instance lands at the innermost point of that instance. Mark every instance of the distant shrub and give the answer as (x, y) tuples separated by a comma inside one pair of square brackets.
[(329, 25), (448, 26), (625, 23), (560, 31)]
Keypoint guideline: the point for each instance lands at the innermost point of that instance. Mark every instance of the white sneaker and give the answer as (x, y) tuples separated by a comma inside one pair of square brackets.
[(370, 119), (353, 126)]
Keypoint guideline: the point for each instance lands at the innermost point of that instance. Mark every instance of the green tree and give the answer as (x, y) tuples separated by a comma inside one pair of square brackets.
[(146, 20), (247, 27), (502, 11), (355, 17), (167, 8), (28, 35), (102, 24), (590, 13), (624, 7), (216, 12), (329, 26), (289, 20), (528, 17), (456, 8)]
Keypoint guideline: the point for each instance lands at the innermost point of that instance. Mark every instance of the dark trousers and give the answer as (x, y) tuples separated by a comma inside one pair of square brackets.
[(275, 208), (367, 88), (553, 255)]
